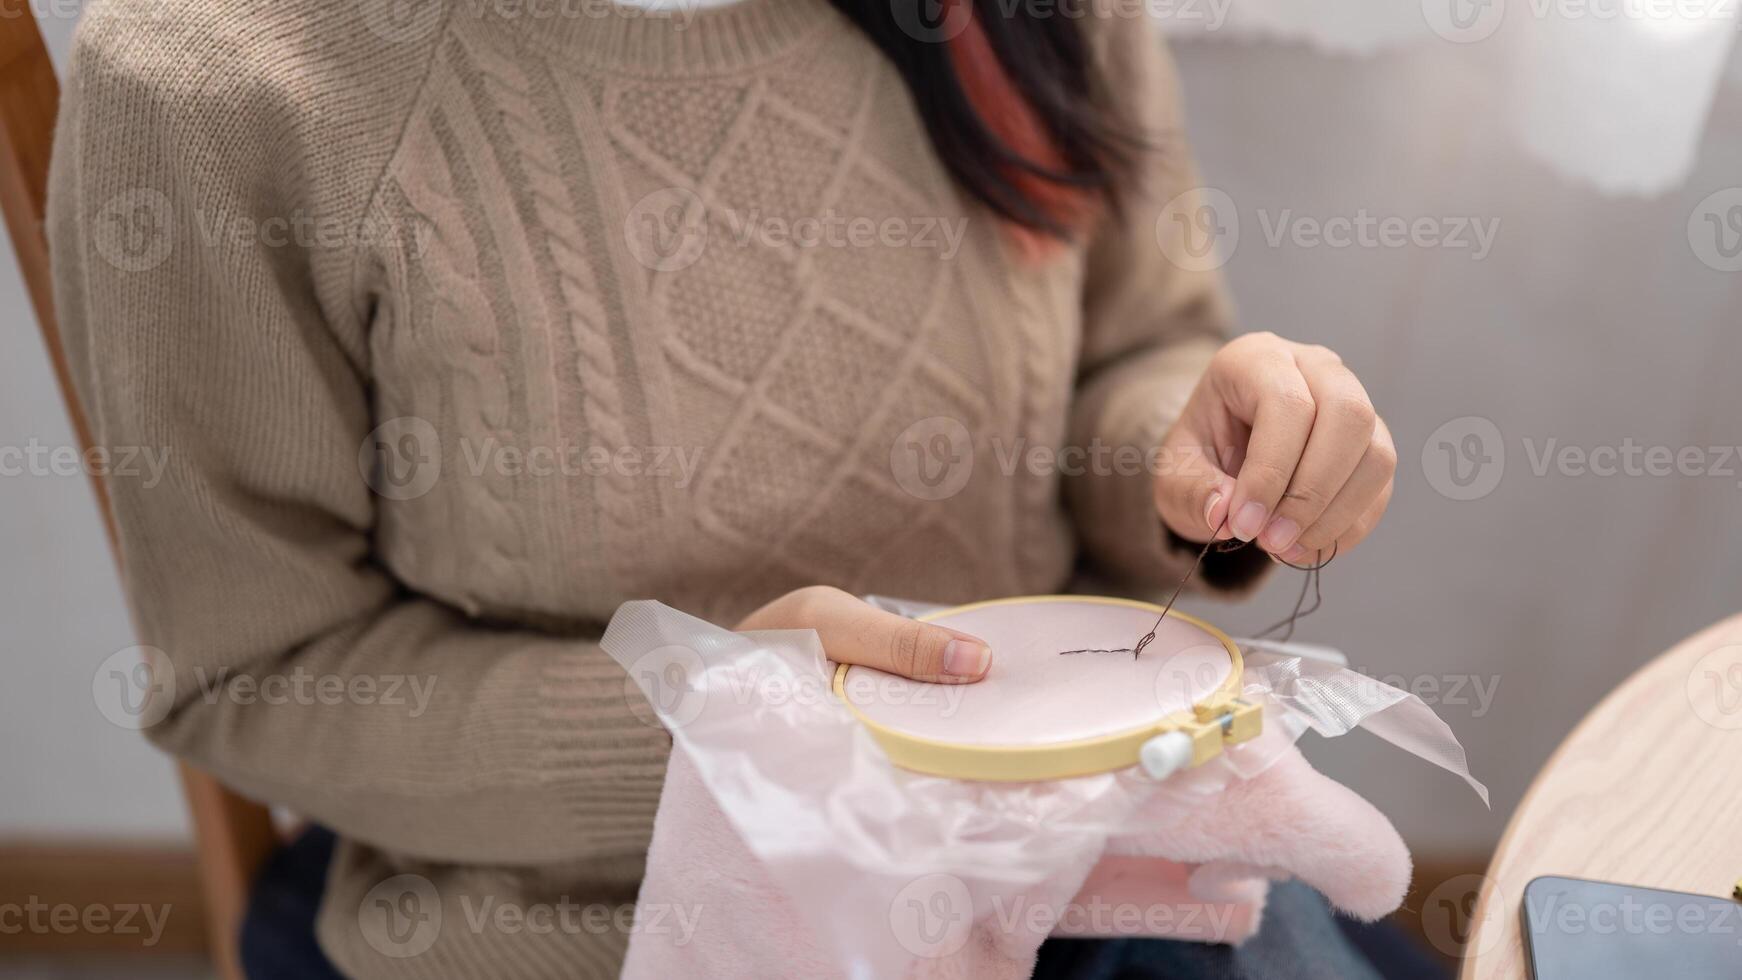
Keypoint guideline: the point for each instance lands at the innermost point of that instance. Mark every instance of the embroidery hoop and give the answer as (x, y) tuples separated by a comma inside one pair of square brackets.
[(1179, 739)]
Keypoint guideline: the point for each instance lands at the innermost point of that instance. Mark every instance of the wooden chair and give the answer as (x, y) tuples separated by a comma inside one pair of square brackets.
[(233, 835)]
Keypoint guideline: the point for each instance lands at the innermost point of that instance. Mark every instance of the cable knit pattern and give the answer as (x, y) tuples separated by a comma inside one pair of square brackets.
[(557, 332)]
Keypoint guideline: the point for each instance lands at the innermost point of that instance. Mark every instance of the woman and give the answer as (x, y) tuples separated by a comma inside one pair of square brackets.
[(463, 323)]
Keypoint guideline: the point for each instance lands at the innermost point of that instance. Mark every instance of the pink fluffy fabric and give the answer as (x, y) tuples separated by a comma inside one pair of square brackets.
[(1290, 821), (1202, 872)]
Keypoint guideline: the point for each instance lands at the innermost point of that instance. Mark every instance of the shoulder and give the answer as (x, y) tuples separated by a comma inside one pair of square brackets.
[(238, 123), (1133, 65), (288, 65)]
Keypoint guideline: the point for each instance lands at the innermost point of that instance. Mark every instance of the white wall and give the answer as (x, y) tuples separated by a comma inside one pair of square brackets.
[(1590, 322)]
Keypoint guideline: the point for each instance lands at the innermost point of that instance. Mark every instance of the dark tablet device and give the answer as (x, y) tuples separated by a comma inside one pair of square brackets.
[(1593, 930)]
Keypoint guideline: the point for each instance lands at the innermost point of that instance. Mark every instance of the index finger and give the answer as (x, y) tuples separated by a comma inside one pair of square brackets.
[(1281, 424)]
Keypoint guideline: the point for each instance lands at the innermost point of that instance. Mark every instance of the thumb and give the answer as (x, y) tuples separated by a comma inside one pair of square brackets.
[(1192, 493), (854, 632)]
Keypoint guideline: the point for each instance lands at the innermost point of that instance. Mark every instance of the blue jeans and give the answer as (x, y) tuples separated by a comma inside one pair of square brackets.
[(1300, 939)]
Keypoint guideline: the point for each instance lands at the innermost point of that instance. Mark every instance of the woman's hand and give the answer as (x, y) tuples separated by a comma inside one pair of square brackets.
[(854, 632), (1312, 460)]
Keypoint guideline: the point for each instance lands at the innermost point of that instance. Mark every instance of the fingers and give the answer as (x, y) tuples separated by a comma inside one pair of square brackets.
[(1313, 467), (1342, 435), (854, 632), (1194, 495), (1357, 507), (1268, 384)]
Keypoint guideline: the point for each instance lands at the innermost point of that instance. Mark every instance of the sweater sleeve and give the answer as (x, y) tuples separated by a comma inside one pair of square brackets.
[(300, 672), (1152, 320)]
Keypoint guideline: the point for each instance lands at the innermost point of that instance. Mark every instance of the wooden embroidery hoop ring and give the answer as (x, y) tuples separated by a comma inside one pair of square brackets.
[(1182, 739)]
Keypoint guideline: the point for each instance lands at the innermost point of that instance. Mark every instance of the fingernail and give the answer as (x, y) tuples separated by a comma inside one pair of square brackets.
[(965, 658), (1281, 533), (1249, 521), (1210, 510)]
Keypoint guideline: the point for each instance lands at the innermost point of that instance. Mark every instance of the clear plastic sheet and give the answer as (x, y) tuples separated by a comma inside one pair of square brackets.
[(1333, 700), (816, 800)]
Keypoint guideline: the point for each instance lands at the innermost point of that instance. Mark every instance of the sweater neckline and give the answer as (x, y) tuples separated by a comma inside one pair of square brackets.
[(691, 40)]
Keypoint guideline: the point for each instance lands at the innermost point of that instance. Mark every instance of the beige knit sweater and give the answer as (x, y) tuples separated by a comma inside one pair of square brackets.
[(562, 249)]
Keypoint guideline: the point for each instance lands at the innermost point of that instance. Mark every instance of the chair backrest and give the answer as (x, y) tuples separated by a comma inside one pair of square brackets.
[(233, 834)]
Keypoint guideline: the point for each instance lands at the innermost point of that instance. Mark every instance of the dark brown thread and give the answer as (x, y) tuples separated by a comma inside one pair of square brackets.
[(1301, 610), (1312, 580)]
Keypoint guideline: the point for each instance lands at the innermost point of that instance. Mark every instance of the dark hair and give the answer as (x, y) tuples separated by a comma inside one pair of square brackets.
[(1010, 101)]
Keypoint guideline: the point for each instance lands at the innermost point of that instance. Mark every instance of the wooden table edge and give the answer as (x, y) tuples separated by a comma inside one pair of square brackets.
[(1503, 850)]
